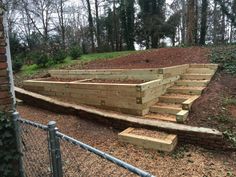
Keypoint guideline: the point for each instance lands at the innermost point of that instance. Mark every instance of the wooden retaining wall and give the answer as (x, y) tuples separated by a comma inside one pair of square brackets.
[(136, 74), (205, 137), (126, 98)]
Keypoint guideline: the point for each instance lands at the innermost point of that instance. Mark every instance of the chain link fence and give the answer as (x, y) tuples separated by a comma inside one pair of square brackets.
[(80, 162), (48, 152), (34, 146)]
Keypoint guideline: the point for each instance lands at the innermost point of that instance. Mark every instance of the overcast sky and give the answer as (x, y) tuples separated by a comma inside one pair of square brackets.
[(77, 1)]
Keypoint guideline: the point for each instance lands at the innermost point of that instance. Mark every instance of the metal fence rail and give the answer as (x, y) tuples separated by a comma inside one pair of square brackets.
[(94, 156), (48, 152)]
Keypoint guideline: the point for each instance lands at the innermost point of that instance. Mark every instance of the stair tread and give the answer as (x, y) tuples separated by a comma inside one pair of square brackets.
[(165, 117), (197, 74), (186, 87), (169, 105), (190, 80), (176, 95)]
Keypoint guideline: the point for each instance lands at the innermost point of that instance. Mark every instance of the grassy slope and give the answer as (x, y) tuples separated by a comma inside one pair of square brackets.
[(34, 69)]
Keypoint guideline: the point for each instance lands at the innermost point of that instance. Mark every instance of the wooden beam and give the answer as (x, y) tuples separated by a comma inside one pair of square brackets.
[(167, 143)]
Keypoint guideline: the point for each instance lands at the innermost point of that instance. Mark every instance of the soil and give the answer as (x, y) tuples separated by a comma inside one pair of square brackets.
[(120, 81), (186, 160), (126, 81), (149, 133), (155, 58), (59, 79), (232, 110), (209, 110)]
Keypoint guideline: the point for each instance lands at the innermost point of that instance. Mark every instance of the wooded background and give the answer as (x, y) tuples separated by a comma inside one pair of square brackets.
[(48, 26)]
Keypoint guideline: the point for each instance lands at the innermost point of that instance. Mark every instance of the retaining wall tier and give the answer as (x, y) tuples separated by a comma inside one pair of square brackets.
[(133, 99)]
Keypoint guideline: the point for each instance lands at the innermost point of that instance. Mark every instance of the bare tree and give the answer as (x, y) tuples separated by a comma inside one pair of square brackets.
[(98, 25), (203, 21), (91, 27), (39, 12), (60, 8), (191, 21)]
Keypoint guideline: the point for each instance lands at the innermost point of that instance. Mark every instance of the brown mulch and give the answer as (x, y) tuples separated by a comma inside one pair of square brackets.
[(154, 59), (208, 110), (184, 161), (149, 133), (232, 110), (56, 79), (120, 81)]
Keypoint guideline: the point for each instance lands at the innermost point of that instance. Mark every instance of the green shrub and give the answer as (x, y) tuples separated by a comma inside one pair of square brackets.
[(231, 136), (58, 56), (75, 52), (8, 151), (225, 55), (17, 63), (42, 60)]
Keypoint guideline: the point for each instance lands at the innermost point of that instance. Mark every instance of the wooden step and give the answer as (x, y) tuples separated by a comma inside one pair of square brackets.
[(192, 83), (210, 66), (186, 105), (201, 71), (181, 116), (166, 108), (186, 90), (174, 98), (164, 117), (149, 139), (196, 76)]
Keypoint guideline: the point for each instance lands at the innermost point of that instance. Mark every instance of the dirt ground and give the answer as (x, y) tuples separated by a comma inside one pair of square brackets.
[(120, 81), (211, 109), (186, 160), (147, 59), (153, 58)]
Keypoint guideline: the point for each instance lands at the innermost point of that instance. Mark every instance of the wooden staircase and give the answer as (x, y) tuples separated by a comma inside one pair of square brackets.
[(173, 106)]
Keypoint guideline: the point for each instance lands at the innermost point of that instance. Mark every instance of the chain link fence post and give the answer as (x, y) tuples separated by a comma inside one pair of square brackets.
[(54, 149), (15, 117)]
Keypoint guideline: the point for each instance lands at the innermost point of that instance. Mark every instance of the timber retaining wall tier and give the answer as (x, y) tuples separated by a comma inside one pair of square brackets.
[(134, 99), (205, 137)]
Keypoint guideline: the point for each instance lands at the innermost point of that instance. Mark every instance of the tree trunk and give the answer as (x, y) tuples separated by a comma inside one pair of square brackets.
[(98, 26), (190, 22), (90, 19), (62, 24), (203, 22), (130, 24), (196, 23), (222, 31), (215, 23), (183, 15), (115, 23), (231, 33)]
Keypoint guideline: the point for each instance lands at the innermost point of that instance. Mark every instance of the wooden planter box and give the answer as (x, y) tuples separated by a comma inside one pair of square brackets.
[(163, 143), (126, 98)]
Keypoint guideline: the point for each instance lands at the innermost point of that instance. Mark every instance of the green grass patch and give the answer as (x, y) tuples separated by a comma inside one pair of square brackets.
[(229, 101), (30, 69), (67, 62), (231, 136), (226, 56), (108, 55), (34, 69)]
